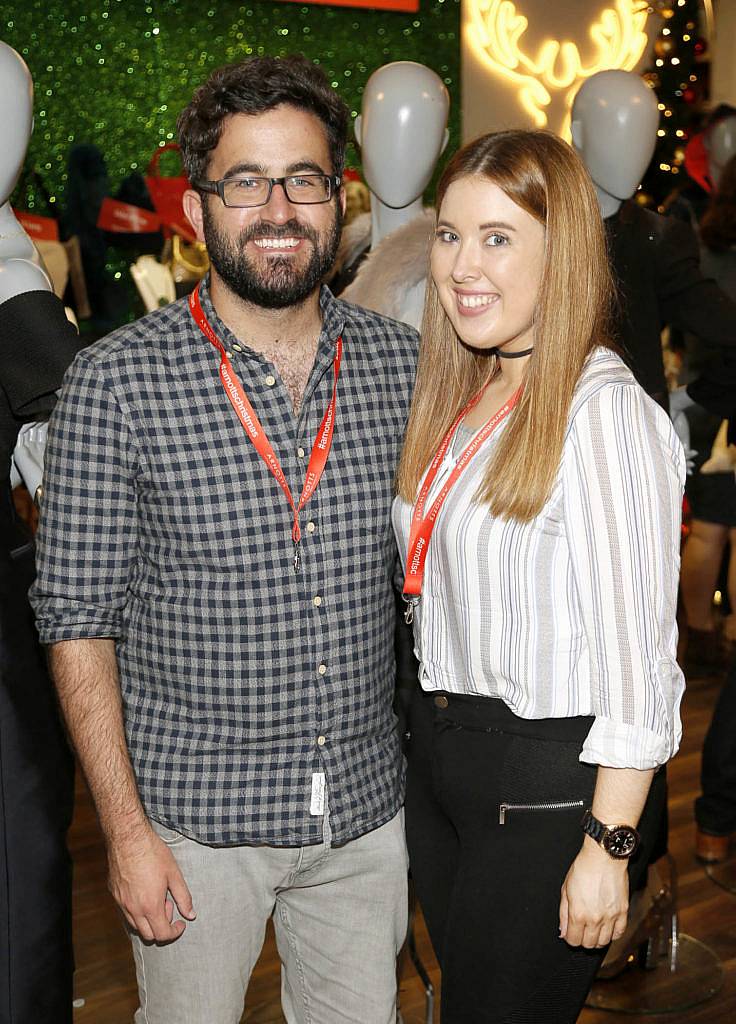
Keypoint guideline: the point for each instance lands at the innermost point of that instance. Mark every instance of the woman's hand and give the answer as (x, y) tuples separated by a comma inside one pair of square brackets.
[(595, 898)]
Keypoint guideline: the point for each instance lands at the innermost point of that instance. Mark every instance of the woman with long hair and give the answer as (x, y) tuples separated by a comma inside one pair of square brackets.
[(537, 515)]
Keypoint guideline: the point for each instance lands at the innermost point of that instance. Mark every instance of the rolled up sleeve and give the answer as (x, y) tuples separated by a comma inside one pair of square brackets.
[(87, 538), (623, 478)]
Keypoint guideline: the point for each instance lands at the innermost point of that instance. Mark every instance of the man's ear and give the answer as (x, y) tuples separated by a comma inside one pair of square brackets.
[(192, 204), (342, 199)]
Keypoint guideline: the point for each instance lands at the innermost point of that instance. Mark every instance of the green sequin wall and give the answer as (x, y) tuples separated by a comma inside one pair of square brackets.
[(117, 72)]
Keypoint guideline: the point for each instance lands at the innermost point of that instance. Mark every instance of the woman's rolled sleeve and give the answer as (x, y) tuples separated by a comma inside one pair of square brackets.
[(623, 478), (87, 537)]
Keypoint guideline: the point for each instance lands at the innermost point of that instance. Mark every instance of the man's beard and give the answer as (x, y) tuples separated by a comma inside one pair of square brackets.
[(280, 283)]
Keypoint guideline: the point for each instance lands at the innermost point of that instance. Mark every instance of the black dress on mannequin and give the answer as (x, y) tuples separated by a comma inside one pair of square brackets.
[(656, 263), (36, 767)]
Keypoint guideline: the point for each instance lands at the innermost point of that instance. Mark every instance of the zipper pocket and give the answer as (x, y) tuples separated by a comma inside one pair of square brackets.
[(559, 805)]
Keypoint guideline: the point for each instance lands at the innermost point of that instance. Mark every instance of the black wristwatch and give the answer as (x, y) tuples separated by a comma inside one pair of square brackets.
[(619, 841)]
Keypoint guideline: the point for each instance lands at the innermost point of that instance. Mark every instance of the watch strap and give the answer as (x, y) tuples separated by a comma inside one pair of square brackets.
[(592, 826)]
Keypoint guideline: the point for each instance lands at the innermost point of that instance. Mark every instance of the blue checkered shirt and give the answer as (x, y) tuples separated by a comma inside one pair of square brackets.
[(162, 528)]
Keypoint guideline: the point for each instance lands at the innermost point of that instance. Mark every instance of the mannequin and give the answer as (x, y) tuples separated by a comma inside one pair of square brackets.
[(401, 130), (656, 259), (656, 262), (36, 344), (720, 145), (615, 115), (706, 155)]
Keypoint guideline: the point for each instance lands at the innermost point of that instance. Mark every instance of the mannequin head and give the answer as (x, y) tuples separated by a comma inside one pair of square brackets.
[(720, 145), (16, 117), (402, 131), (614, 128)]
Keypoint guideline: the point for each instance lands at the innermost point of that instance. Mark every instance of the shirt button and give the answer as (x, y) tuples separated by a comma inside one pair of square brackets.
[(322, 669), (441, 701), (317, 601), (300, 452), (270, 380), (321, 741), (311, 527), (237, 348)]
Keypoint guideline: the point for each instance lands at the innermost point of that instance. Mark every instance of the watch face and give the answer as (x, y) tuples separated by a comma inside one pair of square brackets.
[(620, 842)]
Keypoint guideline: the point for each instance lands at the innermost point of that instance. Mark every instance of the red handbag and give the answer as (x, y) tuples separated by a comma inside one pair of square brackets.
[(166, 195)]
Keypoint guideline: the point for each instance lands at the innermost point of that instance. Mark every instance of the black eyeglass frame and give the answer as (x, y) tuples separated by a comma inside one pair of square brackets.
[(218, 188)]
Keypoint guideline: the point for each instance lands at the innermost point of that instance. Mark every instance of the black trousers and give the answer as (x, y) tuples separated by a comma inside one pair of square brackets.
[(490, 892), (715, 810), (36, 794)]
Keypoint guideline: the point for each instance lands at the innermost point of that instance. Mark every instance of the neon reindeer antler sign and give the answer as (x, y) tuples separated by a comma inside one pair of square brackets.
[(495, 33)]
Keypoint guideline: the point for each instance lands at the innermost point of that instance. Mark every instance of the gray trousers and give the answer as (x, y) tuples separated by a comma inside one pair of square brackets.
[(340, 917)]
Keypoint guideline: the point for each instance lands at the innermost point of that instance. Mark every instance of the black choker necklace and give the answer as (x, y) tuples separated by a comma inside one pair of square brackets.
[(512, 355)]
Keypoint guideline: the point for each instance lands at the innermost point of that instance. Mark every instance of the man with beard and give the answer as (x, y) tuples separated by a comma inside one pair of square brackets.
[(215, 584)]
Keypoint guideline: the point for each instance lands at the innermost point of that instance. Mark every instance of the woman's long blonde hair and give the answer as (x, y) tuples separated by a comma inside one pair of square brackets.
[(545, 177)]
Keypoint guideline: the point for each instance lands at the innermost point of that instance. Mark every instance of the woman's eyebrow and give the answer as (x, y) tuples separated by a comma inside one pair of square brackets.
[(496, 224)]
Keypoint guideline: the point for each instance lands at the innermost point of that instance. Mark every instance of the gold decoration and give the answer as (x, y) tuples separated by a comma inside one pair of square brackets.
[(188, 260), (663, 47)]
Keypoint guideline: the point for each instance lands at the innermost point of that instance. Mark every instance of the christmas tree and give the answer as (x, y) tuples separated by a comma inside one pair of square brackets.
[(679, 76)]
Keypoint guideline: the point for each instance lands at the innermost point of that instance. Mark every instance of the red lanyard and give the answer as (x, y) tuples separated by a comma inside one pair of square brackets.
[(421, 525), (252, 426)]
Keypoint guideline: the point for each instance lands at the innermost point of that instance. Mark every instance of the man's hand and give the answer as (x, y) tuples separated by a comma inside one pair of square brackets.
[(595, 898), (144, 876), (146, 882)]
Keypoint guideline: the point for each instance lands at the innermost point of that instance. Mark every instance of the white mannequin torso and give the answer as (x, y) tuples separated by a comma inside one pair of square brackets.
[(21, 267)]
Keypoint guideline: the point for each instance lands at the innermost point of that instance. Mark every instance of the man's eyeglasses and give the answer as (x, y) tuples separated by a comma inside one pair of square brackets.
[(247, 190)]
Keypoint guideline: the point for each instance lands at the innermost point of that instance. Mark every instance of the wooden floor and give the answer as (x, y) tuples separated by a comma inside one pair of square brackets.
[(105, 982)]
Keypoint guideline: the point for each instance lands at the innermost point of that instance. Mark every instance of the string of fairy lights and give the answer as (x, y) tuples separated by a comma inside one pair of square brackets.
[(680, 78)]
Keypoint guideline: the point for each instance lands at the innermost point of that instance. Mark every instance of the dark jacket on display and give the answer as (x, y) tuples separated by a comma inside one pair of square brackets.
[(656, 262)]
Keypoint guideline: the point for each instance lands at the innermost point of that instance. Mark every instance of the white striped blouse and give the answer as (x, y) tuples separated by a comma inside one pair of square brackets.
[(572, 613)]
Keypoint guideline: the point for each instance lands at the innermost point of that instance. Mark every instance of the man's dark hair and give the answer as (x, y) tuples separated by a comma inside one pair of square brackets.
[(253, 87)]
